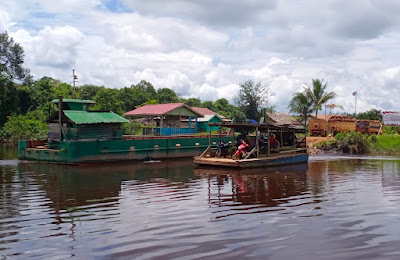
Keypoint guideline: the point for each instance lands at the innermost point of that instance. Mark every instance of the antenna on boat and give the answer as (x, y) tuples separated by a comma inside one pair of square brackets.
[(74, 80)]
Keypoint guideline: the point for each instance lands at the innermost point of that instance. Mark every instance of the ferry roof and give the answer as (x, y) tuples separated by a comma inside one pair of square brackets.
[(88, 117), (248, 126), (70, 100)]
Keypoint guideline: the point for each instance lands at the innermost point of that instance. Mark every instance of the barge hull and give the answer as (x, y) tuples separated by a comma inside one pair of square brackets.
[(117, 150)]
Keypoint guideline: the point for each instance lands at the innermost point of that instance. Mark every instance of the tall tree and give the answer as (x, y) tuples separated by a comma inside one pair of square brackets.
[(166, 95), (251, 98), (147, 88), (8, 99), (192, 102), (89, 91), (12, 59), (301, 105), (107, 99), (208, 104), (318, 95), (42, 92)]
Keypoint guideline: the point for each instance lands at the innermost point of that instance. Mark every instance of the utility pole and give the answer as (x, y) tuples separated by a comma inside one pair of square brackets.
[(74, 80), (355, 102)]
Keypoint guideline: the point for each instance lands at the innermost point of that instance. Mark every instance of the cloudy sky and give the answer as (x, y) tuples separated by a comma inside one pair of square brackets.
[(206, 48)]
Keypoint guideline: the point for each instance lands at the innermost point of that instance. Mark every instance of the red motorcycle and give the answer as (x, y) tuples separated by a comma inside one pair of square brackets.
[(241, 151)]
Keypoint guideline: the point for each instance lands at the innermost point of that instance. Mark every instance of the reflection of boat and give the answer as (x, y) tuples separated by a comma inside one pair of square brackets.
[(69, 186), (271, 186), (269, 145), (283, 169)]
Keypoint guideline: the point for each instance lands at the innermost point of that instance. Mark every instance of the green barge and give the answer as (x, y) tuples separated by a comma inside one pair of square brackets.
[(78, 135)]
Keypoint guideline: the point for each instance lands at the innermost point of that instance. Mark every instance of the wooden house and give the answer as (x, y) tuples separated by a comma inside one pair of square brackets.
[(209, 116), (167, 119), (79, 123)]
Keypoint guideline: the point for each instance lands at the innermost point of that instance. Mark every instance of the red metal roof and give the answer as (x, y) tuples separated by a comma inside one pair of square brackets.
[(158, 109)]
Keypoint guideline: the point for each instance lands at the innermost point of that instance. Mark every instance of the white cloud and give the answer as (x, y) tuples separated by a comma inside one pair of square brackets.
[(206, 49)]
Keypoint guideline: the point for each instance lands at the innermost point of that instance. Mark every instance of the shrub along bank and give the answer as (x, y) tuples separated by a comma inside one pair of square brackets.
[(357, 143)]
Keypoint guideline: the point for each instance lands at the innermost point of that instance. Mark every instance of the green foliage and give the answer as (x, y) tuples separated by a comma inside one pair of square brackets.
[(132, 128), (387, 144), (42, 92), (107, 100), (12, 59), (304, 103), (372, 139), (89, 91), (327, 145), (301, 106), (317, 95), (192, 102), (352, 142), (251, 98), (208, 104), (390, 130), (147, 88), (8, 99), (24, 127), (372, 114), (64, 90), (166, 95)]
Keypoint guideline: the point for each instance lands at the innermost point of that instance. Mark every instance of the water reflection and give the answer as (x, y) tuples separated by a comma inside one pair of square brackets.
[(340, 207), (269, 187)]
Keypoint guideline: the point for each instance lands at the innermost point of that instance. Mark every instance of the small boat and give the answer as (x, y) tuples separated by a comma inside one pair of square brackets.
[(257, 145)]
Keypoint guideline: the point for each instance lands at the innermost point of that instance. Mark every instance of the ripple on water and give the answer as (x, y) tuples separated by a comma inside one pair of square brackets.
[(341, 208)]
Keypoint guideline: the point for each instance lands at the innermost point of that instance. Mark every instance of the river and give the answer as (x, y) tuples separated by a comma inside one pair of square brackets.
[(334, 207)]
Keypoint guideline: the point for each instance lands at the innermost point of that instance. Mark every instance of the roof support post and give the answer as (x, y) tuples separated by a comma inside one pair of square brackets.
[(268, 147), (60, 117), (209, 138), (161, 124), (257, 144)]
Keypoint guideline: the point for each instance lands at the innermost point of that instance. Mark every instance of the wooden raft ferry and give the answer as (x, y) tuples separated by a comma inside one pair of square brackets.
[(268, 145)]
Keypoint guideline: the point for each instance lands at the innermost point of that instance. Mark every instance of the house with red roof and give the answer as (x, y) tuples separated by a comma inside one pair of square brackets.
[(167, 119)]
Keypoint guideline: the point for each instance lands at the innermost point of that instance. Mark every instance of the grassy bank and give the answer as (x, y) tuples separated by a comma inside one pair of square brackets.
[(357, 143), (387, 144)]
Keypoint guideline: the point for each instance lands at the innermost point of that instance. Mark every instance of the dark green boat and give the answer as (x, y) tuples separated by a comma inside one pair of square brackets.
[(79, 135)]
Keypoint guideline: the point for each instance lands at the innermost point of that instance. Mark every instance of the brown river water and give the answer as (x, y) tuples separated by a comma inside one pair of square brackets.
[(334, 207)]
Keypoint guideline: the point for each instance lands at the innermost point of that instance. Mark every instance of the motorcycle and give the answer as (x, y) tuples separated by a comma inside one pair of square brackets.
[(222, 149), (241, 151)]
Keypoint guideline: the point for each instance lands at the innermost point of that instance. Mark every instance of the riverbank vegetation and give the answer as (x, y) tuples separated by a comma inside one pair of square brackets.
[(387, 143)]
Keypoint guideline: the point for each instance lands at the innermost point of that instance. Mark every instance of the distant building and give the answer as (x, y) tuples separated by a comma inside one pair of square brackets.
[(167, 119), (209, 116)]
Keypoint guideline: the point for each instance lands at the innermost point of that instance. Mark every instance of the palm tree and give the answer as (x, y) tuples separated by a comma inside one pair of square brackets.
[(300, 104), (317, 94)]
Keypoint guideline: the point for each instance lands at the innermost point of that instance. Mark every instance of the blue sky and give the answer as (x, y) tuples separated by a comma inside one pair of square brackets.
[(205, 49)]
